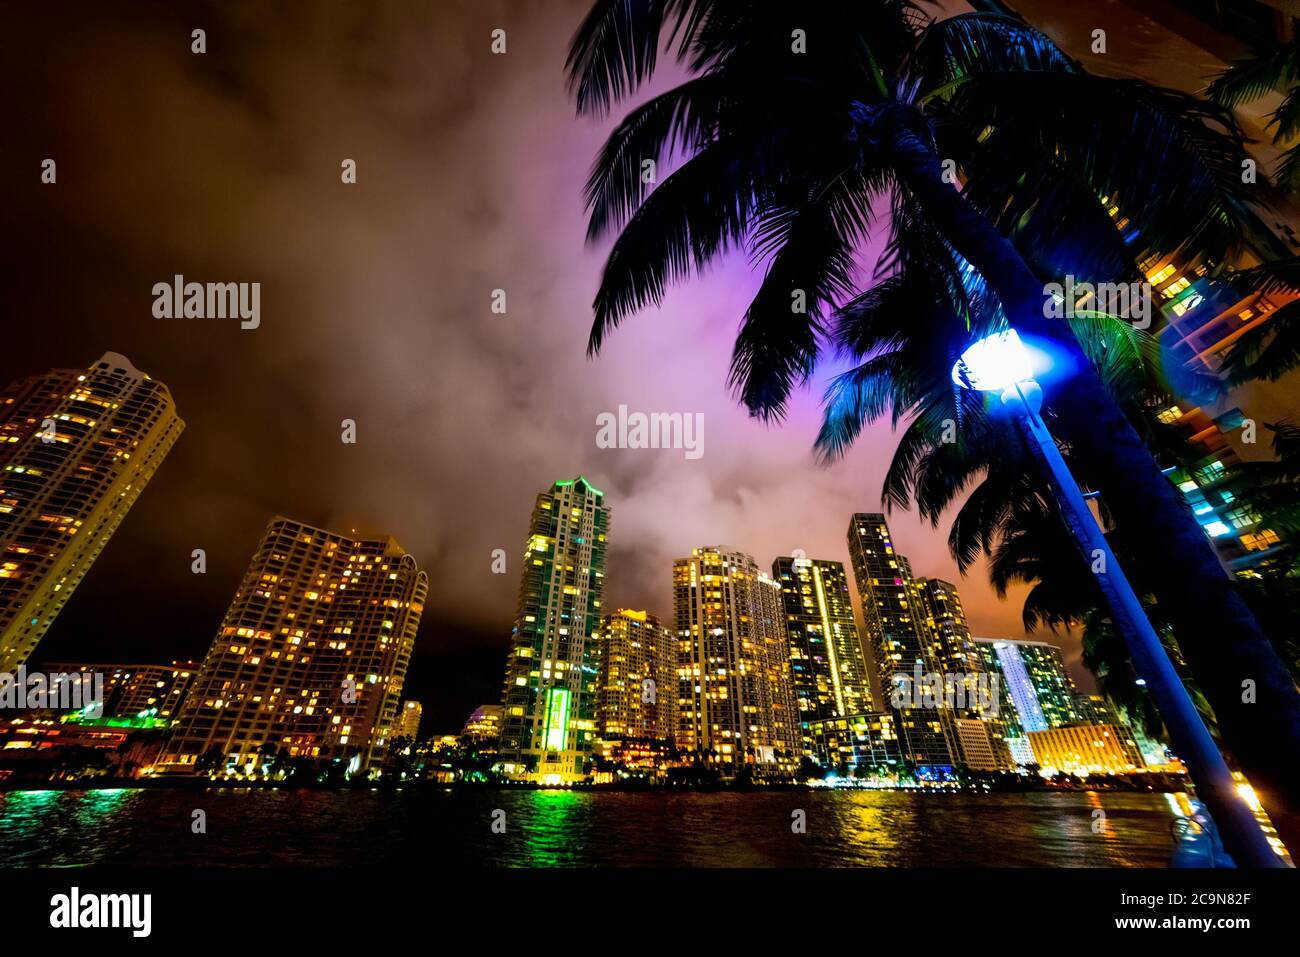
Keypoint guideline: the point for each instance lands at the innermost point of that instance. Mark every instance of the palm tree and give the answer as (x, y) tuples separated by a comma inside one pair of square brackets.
[(898, 334), (796, 120), (1272, 349), (1257, 75)]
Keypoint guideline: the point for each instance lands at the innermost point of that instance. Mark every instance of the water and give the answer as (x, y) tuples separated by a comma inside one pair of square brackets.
[(256, 828)]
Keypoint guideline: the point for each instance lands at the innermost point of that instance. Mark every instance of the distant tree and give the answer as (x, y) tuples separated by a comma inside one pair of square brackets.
[(210, 761), (810, 770)]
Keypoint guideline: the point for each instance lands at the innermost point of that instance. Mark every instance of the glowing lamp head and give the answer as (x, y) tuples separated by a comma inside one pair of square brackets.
[(994, 364)]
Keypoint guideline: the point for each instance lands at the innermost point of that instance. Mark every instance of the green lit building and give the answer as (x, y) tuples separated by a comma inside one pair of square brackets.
[(549, 699), (828, 669)]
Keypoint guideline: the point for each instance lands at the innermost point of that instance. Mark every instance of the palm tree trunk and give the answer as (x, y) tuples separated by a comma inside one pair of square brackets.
[(1223, 645)]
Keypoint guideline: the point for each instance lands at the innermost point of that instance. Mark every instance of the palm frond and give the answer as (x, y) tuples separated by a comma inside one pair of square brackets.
[(685, 118), (811, 248), (694, 215), (1268, 351), (616, 47), (954, 48), (1252, 77), (1171, 163)]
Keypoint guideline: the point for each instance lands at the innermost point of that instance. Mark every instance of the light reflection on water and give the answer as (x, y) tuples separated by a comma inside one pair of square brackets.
[(247, 827)]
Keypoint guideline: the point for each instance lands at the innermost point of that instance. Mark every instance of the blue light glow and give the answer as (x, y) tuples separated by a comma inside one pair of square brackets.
[(997, 362)]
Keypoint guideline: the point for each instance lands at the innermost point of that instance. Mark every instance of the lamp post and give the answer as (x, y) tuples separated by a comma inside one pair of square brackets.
[(1000, 363)]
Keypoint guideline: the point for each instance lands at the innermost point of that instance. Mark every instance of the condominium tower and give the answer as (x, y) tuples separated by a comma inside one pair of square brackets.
[(408, 721), (1038, 691), (891, 601), (310, 658), (828, 669), (549, 698), (637, 689), (912, 627), (736, 704), (77, 447)]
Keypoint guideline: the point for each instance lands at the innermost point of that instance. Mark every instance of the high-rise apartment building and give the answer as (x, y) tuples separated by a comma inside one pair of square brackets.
[(737, 706), (828, 669), (896, 609), (891, 601), (947, 634), (636, 695), (1038, 692), (408, 721), (150, 695), (310, 658), (549, 700), (77, 447)]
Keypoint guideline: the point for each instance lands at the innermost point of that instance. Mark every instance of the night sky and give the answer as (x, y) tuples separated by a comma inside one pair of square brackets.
[(376, 307)]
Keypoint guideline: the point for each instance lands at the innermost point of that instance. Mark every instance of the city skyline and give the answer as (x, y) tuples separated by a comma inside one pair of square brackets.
[(147, 652), (539, 443), (759, 675), (263, 425), (829, 688)]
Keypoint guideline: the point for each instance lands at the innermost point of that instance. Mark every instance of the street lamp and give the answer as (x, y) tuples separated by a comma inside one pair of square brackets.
[(1001, 363)]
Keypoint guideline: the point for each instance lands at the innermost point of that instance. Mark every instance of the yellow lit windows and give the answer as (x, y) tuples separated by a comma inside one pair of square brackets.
[(1160, 275)]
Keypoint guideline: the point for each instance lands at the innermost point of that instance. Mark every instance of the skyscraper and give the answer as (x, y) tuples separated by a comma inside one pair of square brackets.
[(950, 646), (635, 648), (978, 732), (408, 721), (1035, 681), (891, 601), (828, 669), (311, 656), (895, 608), (77, 447), (737, 706), (549, 699)]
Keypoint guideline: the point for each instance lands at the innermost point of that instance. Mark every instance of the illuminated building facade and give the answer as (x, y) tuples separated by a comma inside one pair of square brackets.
[(944, 628), (1203, 316), (311, 656), (857, 744), (1210, 478), (891, 601), (1084, 749), (637, 686), (149, 694), (980, 745), (736, 704), (828, 669), (483, 726), (549, 700), (1036, 691), (77, 447), (894, 609), (408, 721)]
